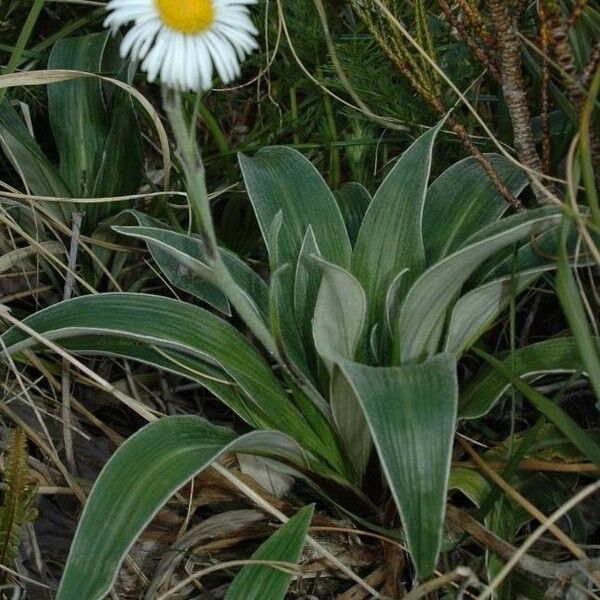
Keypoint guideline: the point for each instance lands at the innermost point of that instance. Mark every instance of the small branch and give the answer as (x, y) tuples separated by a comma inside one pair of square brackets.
[(563, 53), (545, 47), (513, 89), (462, 521), (485, 164), (479, 52), (590, 69), (577, 12), (476, 22)]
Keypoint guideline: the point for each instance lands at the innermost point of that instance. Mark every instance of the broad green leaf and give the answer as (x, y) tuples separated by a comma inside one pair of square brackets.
[(351, 424), (319, 418), (431, 295), (285, 327), (393, 300), (187, 329), (281, 179), (338, 327), (339, 315), (214, 379), (390, 237), (554, 356), (136, 482), (540, 252), (353, 200), (551, 410), (474, 312), (411, 412), (119, 172), (462, 200), (181, 259), (96, 130), (306, 287), (27, 157), (255, 582), (76, 111)]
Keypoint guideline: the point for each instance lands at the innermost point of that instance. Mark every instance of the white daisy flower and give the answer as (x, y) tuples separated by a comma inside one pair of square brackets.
[(179, 41)]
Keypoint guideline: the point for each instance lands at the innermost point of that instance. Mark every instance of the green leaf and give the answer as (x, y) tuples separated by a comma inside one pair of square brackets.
[(553, 356), (338, 327), (462, 200), (214, 379), (17, 256), (76, 111), (307, 280), (393, 301), (353, 200), (136, 482), (390, 237), (411, 412), (284, 326), (418, 327), (171, 324), (471, 483), (572, 304), (541, 251), (181, 259), (281, 179), (27, 157), (119, 171), (339, 318), (96, 130), (476, 310), (549, 409), (351, 424), (255, 582)]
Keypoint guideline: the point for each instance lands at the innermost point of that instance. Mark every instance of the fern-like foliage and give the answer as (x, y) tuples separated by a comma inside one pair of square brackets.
[(17, 508)]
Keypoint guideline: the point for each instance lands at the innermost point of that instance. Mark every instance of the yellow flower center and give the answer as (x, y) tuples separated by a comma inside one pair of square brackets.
[(186, 16)]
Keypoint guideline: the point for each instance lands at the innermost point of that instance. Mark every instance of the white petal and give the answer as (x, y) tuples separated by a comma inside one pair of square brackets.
[(204, 63), (185, 61)]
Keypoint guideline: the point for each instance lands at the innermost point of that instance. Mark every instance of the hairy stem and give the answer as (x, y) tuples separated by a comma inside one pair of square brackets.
[(513, 89), (193, 168)]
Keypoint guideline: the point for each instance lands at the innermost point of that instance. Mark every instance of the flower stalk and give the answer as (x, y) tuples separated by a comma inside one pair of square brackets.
[(195, 178)]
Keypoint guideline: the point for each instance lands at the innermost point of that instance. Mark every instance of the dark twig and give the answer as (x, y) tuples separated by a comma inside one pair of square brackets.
[(563, 53), (462, 521), (479, 52), (520, 8), (577, 12), (513, 88), (476, 22), (590, 68), (545, 47)]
